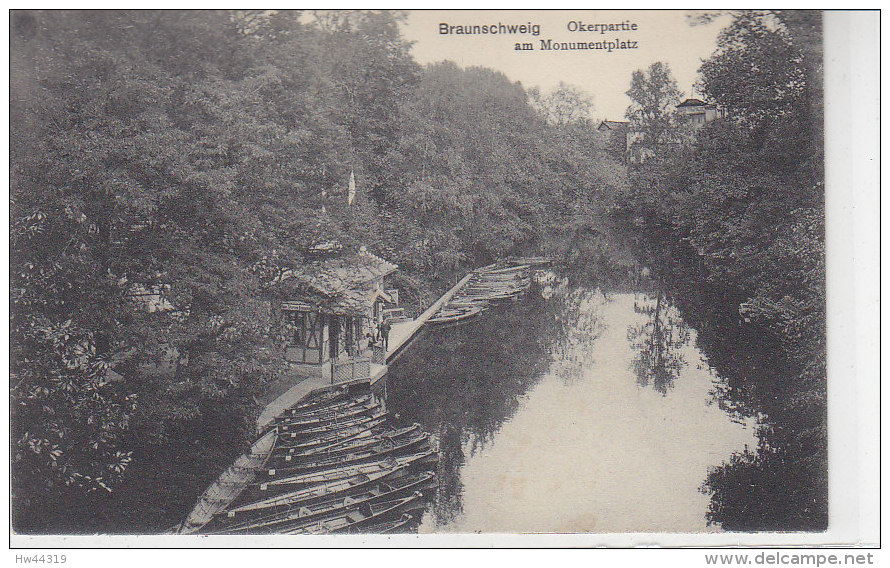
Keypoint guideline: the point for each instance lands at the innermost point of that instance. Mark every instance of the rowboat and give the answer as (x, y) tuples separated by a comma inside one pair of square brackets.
[(487, 287), (229, 486), (502, 280), (296, 481), (309, 495), (325, 429), (327, 410), (467, 303), (320, 398), (288, 424), (366, 515), (502, 284), (506, 270), (492, 289), (293, 443), (399, 525), (447, 315), (380, 451), (355, 444), (299, 516)]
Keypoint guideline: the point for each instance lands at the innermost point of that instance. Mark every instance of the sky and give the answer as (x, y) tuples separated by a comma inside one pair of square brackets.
[(660, 35)]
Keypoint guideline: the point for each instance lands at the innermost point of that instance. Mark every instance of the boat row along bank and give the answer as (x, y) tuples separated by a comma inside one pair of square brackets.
[(332, 463)]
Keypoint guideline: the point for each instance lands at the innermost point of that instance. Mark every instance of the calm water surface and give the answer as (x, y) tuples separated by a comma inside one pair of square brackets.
[(583, 412)]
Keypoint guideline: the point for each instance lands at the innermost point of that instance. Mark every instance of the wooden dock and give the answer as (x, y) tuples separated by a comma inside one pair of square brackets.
[(403, 333)]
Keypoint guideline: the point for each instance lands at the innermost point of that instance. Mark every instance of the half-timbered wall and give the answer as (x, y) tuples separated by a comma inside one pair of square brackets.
[(307, 337)]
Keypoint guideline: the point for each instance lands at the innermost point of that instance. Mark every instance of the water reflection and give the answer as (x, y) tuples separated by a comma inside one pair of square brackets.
[(658, 343), (543, 427), (464, 382)]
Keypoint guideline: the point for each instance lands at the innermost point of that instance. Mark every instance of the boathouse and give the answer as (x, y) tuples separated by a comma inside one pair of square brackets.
[(331, 316)]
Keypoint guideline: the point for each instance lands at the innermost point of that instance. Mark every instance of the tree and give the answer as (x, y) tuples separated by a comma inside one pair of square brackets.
[(372, 71), (756, 75), (566, 105), (124, 188), (654, 96)]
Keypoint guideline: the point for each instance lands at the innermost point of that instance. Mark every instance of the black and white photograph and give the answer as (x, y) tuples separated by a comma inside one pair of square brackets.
[(426, 273)]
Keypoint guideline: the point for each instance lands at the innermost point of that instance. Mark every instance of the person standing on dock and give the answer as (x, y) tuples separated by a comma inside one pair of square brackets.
[(384, 332)]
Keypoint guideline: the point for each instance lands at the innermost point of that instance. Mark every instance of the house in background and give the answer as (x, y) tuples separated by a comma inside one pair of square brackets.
[(612, 138), (623, 140), (332, 314), (696, 113)]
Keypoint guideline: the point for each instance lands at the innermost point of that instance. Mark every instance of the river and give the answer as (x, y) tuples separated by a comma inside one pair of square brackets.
[(580, 412)]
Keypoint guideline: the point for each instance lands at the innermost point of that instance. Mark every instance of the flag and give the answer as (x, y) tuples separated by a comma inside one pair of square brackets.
[(351, 195)]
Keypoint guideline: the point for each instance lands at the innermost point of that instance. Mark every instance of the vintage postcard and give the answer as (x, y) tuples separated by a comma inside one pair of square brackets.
[(281, 275)]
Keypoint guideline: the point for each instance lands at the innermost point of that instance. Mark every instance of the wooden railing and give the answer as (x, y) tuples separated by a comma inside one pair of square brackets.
[(378, 354), (350, 369)]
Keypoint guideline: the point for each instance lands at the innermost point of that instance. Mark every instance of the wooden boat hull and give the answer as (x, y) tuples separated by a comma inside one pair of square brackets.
[(292, 482), (357, 444), (370, 455), (229, 487), (282, 503), (451, 316), (326, 410), (367, 515), (287, 424), (506, 270), (320, 399), (325, 429), (401, 524), (302, 515), (290, 442)]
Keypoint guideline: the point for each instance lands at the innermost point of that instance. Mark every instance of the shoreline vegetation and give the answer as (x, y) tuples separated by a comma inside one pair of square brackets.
[(200, 154)]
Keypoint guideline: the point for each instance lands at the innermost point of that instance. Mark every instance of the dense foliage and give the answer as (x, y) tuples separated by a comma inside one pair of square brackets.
[(165, 166), (733, 226), (654, 97)]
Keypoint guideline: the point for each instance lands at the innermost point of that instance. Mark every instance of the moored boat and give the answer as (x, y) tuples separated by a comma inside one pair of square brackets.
[(302, 515), (284, 502), (366, 515), (325, 410), (384, 449), (360, 442), (330, 428), (291, 423), (320, 398), (493, 270), (447, 315), (293, 443), (296, 481), (402, 524), (229, 486)]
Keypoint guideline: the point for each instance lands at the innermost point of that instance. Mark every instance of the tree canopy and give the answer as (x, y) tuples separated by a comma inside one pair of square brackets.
[(167, 165), (654, 95)]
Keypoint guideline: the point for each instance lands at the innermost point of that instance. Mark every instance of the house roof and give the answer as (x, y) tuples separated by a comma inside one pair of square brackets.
[(692, 103), (612, 125), (358, 268), (337, 285)]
